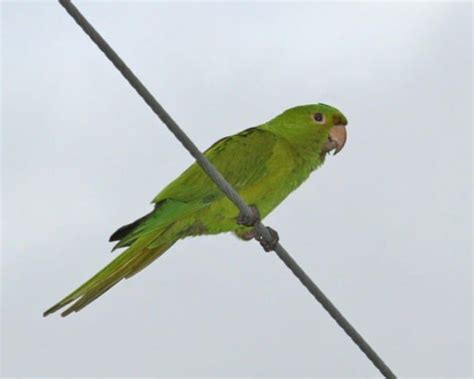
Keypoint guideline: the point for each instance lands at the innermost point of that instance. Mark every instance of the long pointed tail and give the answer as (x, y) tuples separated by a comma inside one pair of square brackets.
[(127, 264)]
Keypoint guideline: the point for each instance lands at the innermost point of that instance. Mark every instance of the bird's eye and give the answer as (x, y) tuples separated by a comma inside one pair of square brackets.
[(319, 118)]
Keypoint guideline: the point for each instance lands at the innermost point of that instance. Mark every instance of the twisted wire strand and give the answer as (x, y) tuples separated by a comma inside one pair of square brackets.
[(225, 187)]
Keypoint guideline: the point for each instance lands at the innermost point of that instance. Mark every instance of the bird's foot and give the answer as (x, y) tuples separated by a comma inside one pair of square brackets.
[(249, 220), (245, 234), (248, 235), (269, 245)]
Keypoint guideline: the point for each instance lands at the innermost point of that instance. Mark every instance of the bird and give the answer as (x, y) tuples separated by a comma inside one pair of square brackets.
[(264, 164)]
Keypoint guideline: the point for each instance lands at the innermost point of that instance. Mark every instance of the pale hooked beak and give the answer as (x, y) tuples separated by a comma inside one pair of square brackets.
[(337, 138), (337, 135)]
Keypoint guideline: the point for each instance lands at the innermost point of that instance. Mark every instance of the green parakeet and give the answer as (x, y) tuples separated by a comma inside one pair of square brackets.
[(264, 164)]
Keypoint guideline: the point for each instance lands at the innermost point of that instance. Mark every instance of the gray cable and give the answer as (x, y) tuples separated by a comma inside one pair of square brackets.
[(225, 187)]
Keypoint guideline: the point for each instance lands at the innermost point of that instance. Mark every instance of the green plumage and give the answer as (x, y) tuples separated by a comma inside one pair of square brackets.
[(264, 164)]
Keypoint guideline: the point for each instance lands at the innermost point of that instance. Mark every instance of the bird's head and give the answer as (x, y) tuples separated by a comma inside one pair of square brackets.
[(321, 122)]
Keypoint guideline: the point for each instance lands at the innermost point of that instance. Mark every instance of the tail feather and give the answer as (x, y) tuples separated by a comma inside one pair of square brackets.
[(123, 231), (123, 234), (131, 261), (146, 239), (86, 300), (137, 267)]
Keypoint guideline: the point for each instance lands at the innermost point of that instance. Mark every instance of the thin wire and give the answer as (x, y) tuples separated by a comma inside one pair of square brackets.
[(225, 187)]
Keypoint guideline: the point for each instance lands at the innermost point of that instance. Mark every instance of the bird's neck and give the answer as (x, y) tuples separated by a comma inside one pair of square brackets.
[(305, 142)]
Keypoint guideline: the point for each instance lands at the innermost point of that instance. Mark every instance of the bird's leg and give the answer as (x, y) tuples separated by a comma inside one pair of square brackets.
[(269, 245), (249, 220)]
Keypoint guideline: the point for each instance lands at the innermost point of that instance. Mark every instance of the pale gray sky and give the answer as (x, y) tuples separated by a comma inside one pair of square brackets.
[(384, 228)]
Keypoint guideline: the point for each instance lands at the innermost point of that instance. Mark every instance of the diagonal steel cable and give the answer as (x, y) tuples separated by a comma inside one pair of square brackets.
[(225, 187)]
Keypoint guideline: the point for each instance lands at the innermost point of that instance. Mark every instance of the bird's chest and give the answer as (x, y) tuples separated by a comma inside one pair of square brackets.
[(285, 172)]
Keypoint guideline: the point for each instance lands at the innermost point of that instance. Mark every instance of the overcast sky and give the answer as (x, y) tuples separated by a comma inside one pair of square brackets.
[(384, 227)]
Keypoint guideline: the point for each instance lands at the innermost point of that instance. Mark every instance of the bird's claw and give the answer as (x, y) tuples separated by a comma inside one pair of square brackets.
[(269, 245), (249, 220)]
